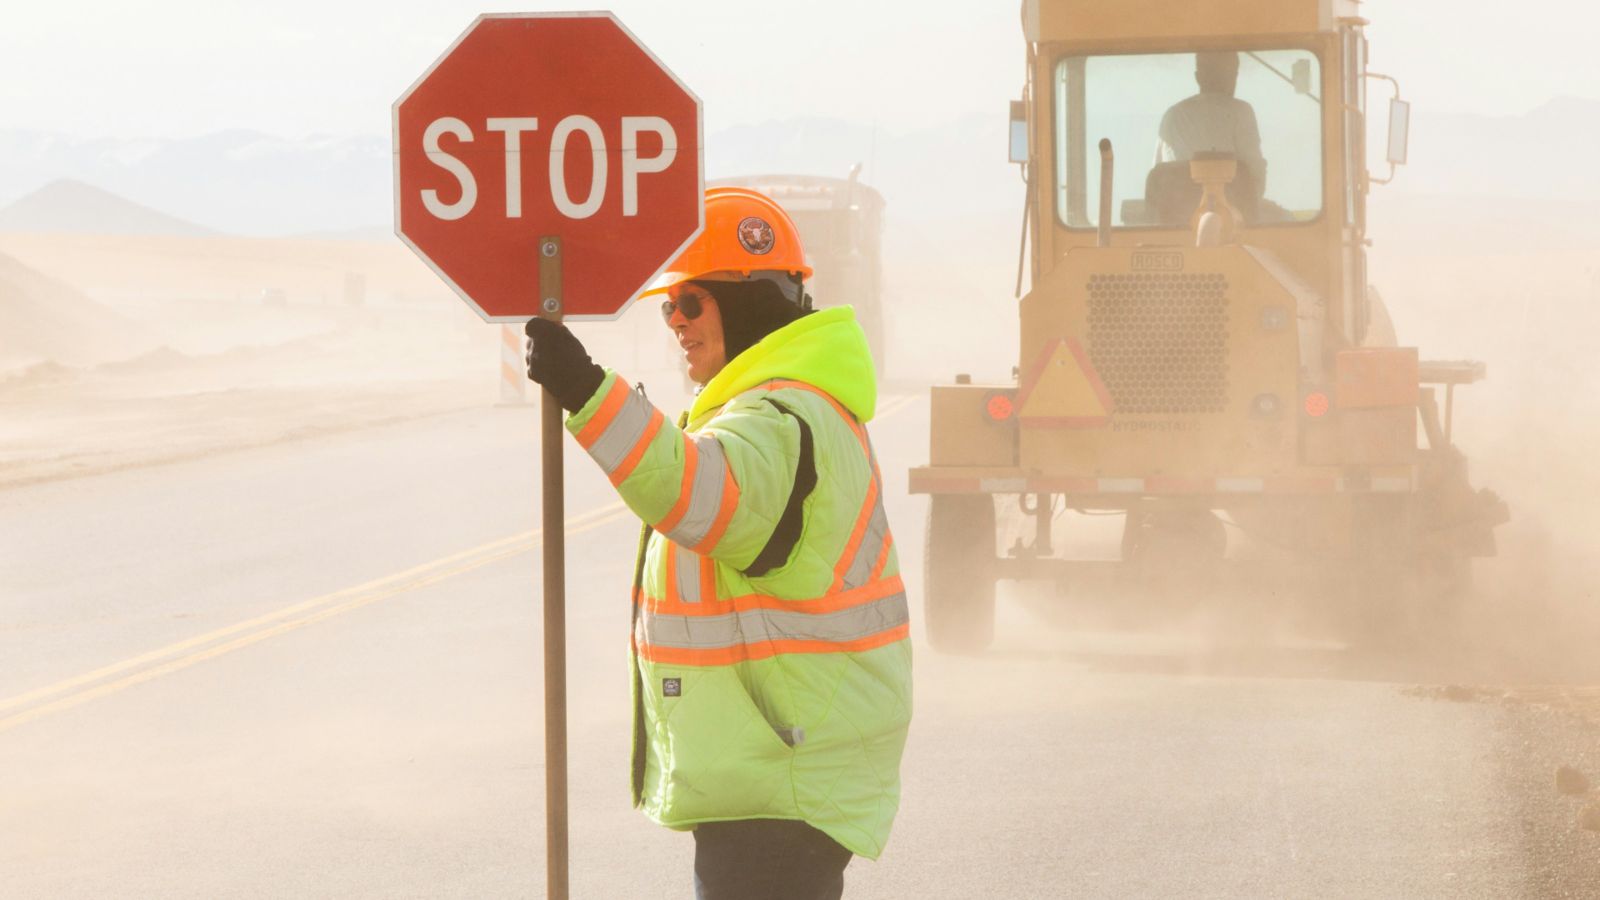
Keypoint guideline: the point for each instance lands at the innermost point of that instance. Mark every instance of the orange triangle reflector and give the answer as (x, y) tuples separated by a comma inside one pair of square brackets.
[(1063, 390)]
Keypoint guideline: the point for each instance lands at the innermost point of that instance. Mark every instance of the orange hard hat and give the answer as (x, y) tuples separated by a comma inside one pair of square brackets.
[(746, 232)]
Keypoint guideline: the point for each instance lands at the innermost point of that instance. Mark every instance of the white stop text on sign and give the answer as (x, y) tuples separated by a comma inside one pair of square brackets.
[(512, 128)]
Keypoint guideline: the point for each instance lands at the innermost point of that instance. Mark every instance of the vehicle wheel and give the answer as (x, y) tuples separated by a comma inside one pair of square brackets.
[(1401, 594), (959, 572)]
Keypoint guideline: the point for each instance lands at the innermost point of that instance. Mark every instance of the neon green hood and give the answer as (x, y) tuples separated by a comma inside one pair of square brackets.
[(826, 349)]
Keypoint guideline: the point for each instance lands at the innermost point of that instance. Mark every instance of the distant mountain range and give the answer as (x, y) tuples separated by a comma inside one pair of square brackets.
[(1538, 155), (246, 183), (237, 182)]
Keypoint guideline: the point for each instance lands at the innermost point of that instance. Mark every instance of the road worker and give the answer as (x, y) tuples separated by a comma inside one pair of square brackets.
[(770, 649)]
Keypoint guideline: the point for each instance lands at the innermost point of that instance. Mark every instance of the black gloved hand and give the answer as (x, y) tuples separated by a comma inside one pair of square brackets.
[(557, 360)]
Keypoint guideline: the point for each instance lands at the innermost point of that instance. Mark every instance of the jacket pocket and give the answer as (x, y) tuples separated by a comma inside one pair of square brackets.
[(714, 755)]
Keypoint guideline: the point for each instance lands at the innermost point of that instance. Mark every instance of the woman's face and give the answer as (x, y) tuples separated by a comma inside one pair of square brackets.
[(701, 336)]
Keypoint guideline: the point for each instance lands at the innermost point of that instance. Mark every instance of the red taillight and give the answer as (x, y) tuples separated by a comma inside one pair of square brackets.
[(1316, 404), (999, 407)]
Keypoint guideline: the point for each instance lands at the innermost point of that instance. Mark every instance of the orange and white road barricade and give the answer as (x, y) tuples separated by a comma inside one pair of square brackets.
[(513, 378)]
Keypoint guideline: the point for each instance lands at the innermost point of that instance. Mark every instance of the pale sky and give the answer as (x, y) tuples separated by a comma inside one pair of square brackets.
[(180, 68)]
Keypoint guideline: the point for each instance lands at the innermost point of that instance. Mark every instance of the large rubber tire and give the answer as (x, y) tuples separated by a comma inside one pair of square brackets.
[(959, 571), (1401, 595)]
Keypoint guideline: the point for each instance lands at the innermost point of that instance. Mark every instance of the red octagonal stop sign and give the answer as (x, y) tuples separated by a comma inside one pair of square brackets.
[(547, 124)]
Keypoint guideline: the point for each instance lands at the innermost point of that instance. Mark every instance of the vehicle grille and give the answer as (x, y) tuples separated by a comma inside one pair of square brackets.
[(1160, 341)]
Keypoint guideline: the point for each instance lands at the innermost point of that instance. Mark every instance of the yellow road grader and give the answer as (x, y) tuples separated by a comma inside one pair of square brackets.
[(1200, 350)]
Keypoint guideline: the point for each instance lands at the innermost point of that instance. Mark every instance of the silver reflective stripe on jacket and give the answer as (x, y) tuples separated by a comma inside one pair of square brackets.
[(624, 432), (871, 547), (705, 495), (762, 625)]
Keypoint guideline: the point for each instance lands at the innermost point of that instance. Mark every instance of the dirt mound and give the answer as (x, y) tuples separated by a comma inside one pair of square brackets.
[(46, 372), (44, 319), (68, 205), (160, 359)]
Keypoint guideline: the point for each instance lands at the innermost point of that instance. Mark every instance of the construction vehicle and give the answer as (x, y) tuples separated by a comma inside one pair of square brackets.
[(1200, 351), (841, 225)]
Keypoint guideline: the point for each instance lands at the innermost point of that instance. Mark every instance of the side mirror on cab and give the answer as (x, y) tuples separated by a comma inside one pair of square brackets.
[(1399, 131), (1300, 76), (1019, 131)]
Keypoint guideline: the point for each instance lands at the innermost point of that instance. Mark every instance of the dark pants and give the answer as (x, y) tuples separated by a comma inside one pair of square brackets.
[(767, 859)]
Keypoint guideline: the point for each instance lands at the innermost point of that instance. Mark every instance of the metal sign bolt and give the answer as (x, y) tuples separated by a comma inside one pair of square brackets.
[(552, 305)]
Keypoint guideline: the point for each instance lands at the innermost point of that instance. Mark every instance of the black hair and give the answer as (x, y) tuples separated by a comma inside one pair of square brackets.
[(750, 310)]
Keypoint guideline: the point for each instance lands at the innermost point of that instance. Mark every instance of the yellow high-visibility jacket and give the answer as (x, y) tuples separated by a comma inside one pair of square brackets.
[(771, 635)]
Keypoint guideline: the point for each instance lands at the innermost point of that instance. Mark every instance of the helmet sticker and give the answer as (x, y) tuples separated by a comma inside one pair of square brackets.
[(756, 235)]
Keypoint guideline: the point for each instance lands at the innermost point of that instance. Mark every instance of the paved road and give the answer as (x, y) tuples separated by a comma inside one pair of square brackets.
[(312, 670)]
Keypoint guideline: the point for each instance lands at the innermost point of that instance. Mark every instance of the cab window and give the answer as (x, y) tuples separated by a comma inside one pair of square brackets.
[(1262, 108)]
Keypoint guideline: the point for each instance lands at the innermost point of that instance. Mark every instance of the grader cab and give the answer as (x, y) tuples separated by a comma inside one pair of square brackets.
[(1200, 350)]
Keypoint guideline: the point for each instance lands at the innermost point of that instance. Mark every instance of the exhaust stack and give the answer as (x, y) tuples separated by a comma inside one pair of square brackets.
[(1106, 167)]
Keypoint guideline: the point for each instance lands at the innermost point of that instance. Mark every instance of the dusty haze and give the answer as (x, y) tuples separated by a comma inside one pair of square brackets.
[(195, 263)]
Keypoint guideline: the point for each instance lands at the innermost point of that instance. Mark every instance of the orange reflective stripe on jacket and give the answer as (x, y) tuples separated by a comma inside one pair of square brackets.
[(620, 431), (690, 577)]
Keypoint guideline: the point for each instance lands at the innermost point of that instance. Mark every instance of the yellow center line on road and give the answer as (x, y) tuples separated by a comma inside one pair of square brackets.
[(177, 656), (92, 685)]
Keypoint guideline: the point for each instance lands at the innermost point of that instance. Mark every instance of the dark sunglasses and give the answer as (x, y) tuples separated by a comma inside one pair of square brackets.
[(689, 304)]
